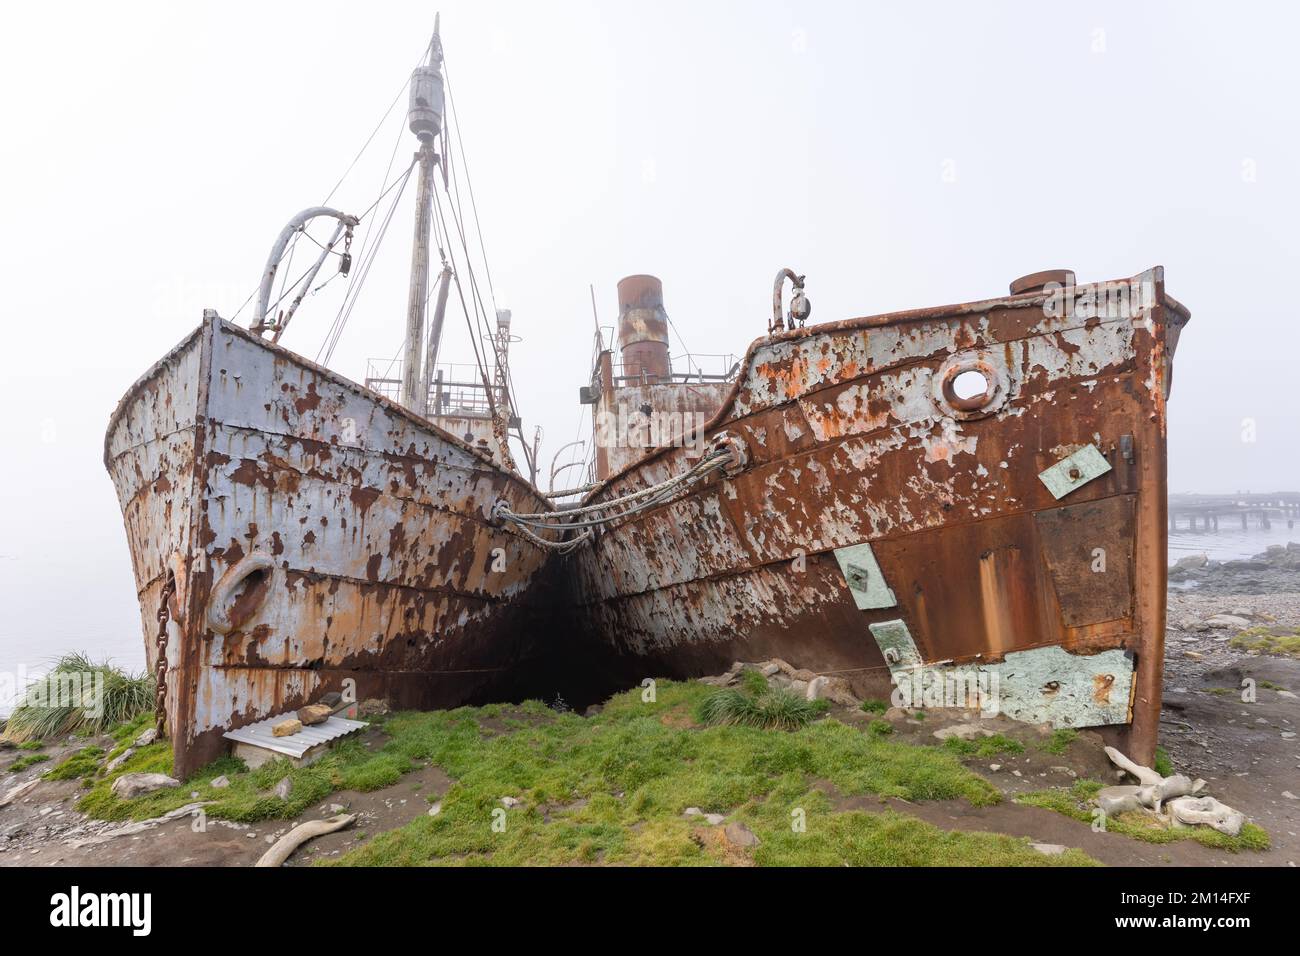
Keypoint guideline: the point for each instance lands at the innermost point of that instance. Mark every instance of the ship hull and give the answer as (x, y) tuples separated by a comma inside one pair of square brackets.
[(319, 538), (880, 529)]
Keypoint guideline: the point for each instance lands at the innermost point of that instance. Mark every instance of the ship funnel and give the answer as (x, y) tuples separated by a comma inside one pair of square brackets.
[(425, 111), (643, 328)]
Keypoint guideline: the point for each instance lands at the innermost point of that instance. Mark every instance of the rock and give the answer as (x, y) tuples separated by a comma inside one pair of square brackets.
[(741, 835), (1287, 694), (509, 802), (286, 728), (220, 783), (1289, 795), (771, 668), (1227, 620), (132, 785), (120, 759), (799, 687), (967, 731), (336, 809), (147, 737), (331, 699), (314, 714), (713, 819), (1048, 849), (435, 809), (995, 767), (1191, 562), (817, 688), (372, 708), (693, 812), (1116, 800), (284, 788)]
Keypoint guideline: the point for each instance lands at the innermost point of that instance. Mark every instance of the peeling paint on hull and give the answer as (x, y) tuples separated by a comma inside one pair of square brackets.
[(852, 438), (317, 533)]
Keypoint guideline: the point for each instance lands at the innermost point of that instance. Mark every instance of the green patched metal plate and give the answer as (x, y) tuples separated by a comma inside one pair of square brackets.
[(1075, 471), (865, 579)]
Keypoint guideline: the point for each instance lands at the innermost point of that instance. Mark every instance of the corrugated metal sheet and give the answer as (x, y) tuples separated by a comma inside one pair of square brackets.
[(259, 734)]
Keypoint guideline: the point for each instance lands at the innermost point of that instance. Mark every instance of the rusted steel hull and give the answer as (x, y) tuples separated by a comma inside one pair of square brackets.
[(884, 525), (316, 533)]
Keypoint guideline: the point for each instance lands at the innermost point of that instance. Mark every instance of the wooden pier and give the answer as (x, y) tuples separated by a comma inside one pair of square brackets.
[(1203, 512)]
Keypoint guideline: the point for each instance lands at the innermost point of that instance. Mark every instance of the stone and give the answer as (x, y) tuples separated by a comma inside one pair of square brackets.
[(995, 767), (1048, 849), (435, 809), (1227, 620), (770, 669), (1191, 562), (509, 802), (372, 708), (741, 835), (336, 809), (713, 819), (284, 788), (147, 737), (331, 699), (1287, 694), (220, 783), (314, 714), (120, 759), (817, 688), (693, 812), (132, 785), (967, 731), (799, 687), (286, 728), (1289, 795)]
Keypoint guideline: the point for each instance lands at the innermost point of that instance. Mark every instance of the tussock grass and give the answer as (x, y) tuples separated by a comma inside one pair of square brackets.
[(78, 696), (1059, 741), (772, 709), (984, 746)]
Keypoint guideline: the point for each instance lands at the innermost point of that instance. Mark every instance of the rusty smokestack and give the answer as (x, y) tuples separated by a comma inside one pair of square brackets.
[(643, 328)]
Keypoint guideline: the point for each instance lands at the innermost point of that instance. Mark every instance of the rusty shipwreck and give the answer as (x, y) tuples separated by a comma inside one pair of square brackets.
[(292, 530), (975, 490)]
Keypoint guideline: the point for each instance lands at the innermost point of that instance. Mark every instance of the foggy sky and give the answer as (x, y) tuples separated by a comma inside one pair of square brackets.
[(901, 156)]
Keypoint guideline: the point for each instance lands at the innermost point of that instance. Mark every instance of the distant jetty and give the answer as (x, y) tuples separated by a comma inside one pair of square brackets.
[(1203, 512)]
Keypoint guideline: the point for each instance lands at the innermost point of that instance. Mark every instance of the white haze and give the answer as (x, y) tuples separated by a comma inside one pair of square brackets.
[(149, 153)]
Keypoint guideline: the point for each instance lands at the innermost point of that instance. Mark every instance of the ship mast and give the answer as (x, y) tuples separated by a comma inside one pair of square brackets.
[(424, 116)]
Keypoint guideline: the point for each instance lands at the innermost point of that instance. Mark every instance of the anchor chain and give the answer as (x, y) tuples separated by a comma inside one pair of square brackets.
[(160, 668)]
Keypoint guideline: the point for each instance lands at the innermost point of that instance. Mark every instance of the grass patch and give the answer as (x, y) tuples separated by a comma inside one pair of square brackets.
[(983, 746), (1059, 741), (873, 706), (1281, 641), (1076, 804), (768, 708), (22, 763), (94, 697), (83, 763), (880, 728), (1163, 765), (31, 745), (612, 789)]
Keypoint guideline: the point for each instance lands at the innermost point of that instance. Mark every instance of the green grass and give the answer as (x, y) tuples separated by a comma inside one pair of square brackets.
[(1269, 639), (82, 764), (31, 745), (22, 763), (1163, 765), (1059, 741), (880, 728), (873, 706), (1076, 803), (768, 708), (983, 746), (78, 696), (614, 788)]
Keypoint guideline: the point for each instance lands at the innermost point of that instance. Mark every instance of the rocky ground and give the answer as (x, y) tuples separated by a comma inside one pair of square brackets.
[(1230, 717)]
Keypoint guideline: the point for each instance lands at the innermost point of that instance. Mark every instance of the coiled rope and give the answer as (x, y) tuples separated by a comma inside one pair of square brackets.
[(591, 517)]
